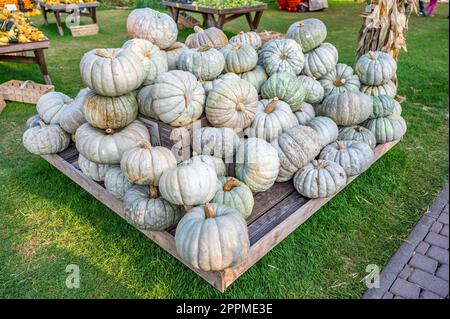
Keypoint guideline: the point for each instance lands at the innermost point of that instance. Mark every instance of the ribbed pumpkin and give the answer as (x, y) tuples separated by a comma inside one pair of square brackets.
[(72, 116), (144, 164), (348, 108), (305, 113), (202, 37), (112, 72), (153, 59), (387, 129), (286, 87), (255, 77), (159, 28), (212, 237), (178, 98), (314, 90), (189, 184), (283, 56), (261, 53), (110, 112), (296, 147), (257, 164), (354, 156), (206, 63), (273, 117), (388, 88), (397, 108), (235, 194), (339, 80), (309, 33), (320, 61), (107, 147), (251, 38), (144, 209), (115, 183), (145, 102), (208, 85), (326, 129), (383, 105), (239, 58), (215, 162), (173, 52), (232, 103), (45, 139), (375, 68), (320, 179), (33, 121), (357, 133), (220, 142), (93, 170), (51, 105)]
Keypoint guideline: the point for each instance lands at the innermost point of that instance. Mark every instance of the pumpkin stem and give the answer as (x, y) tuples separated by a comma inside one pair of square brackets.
[(109, 131), (240, 107), (205, 47), (197, 29), (301, 25), (42, 124), (372, 55), (174, 46), (144, 144), (241, 32), (104, 53), (237, 46), (271, 106), (339, 82), (153, 192), (340, 145), (284, 56), (148, 54), (188, 207), (230, 184), (321, 165), (358, 129), (209, 211)]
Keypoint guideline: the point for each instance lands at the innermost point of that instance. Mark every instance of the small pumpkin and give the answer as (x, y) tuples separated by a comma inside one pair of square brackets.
[(383, 105), (251, 38), (235, 194), (375, 68), (309, 33), (387, 129), (72, 116), (214, 162), (45, 139), (239, 58), (354, 156), (220, 142), (145, 102), (388, 88), (326, 129), (296, 147), (257, 164), (178, 98), (34, 121), (173, 52), (144, 209), (202, 37), (305, 113), (93, 170), (232, 103), (357, 133), (283, 56), (116, 183), (320, 179), (286, 87), (51, 105), (339, 80), (255, 77), (314, 90), (206, 63), (320, 61), (212, 237)]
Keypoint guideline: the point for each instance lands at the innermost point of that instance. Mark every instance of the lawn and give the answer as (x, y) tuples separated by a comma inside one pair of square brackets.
[(47, 222)]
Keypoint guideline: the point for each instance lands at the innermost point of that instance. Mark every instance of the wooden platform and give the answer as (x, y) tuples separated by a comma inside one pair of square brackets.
[(277, 213)]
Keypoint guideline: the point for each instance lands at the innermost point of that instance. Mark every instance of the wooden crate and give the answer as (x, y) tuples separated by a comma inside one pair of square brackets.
[(24, 91), (276, 214), (84, 30)]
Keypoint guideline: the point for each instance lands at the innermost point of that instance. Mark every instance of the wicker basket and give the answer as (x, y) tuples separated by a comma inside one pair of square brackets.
[(84, 30), (25, 92), (270, 35)]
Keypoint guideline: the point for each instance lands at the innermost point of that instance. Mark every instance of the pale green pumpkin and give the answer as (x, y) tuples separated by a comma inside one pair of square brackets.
[(383, 105), (286, 87), (375, 68), (305, 113), (51, 105), (172, 54), (320, 61), (116, 183), (388, 88), (314, 90), (309, 33), (234, 193), (239, 58), (339, 80), (206, 63), (45, 139), (251, 38), (72, 116), (93, 170), (326, 129), (215, 162), (202, 37), (387, 129), (357, 133), (145, 102), (283, 56), (255, 77), (219, 142)]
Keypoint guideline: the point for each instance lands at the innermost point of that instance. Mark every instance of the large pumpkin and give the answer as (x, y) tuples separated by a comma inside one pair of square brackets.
[(178, 98), (326, 129), (51, 105), (235, 194), (388, 88), (107, 147), (286, 87), (251, 38), (112, 72), (314, 90), (309, 33), (383, 105), (206, 63), (375, 68), (239, 58), (72, 116), (339, 80), (220, 142), (115, 183), (255, 77), (202, 37), (93, 170), (159, 28), (320, 61), (145, 102), (215, 162), (357, 133), (257, 164), (232, 103), (387, 129), (45, 139), (209, 85), (305, 113), (212, 237), (283, 56), (173, 52)]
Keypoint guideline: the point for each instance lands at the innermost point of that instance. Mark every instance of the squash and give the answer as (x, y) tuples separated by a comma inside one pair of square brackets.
[(173, 52), (320, 61), (326, 129), (107, 147), (348, 108), (112, 72), (109, 112), (339, 80), (320, 179), (239, 58), (354, 156), (232, 103), (144, 209), (257, 164), (283, 56), (72, 116), (159, 28), (144, 164), (50, 106), (305, 113), (153, 59), (116, 183), (296, 147), (45, 139), (215, 162), (235, 194), (272, 118), (178, 98), (93, 170), (206, 63), (212, 237), (189, 184), (375, 68), (314, 90), (309, 33), (202, 37), (220, 142), (357, 133), (251, 38), (255, 77), (397, 108), (34, 121), (209, 85), (286, 87), (383, 105), (145, 102), (387, 129), (388, 88)]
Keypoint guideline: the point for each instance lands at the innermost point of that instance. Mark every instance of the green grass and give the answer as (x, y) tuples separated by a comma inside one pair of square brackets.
[(48, 222)]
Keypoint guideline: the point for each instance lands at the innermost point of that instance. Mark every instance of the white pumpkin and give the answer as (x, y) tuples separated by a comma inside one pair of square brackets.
[(93, 170), (220, 142), (72, 116), (51, 105), (45, 139)]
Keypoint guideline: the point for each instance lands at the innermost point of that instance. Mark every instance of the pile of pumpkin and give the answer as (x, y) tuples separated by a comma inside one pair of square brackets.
[(314, 124), (15, 27)]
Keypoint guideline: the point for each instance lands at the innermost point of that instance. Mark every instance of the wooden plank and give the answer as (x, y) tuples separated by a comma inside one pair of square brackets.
[(62, 7), (21, 47)]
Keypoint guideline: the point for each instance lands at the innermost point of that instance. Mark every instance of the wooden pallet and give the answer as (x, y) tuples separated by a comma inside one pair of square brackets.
[(277, 213)]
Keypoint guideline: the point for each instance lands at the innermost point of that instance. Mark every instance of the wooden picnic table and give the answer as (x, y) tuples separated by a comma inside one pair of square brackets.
[(218, 17), (65, 9), (17, 53)]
